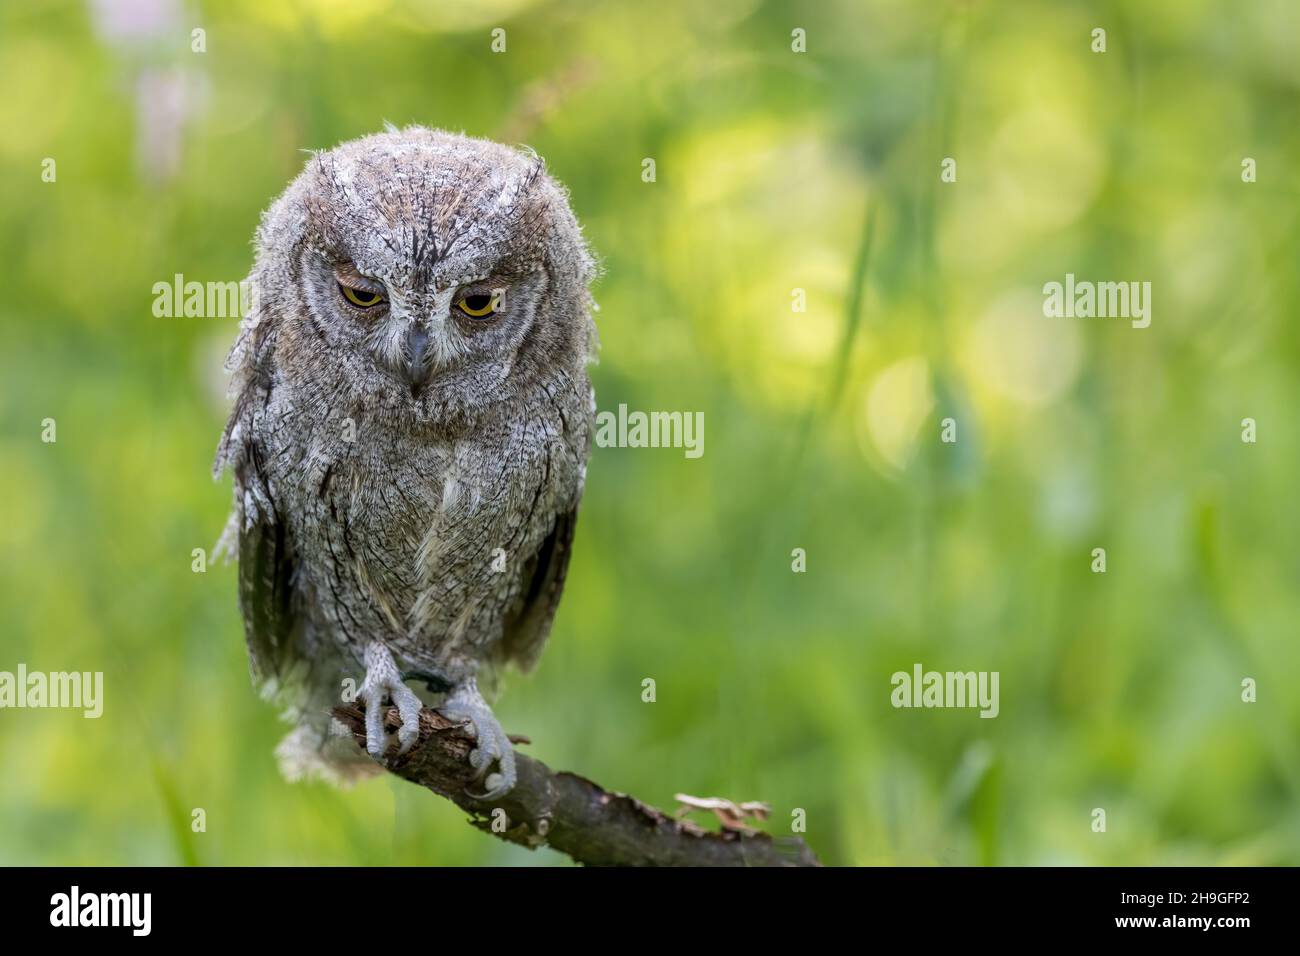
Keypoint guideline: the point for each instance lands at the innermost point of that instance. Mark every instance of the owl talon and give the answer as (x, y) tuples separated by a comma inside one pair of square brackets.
[(383, 680), (467, 704)]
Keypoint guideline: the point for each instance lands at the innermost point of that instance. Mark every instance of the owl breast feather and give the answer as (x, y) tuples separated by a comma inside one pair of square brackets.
[(452, 551)]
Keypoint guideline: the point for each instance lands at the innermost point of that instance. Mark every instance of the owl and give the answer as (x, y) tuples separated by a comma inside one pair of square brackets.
[(408, 439)]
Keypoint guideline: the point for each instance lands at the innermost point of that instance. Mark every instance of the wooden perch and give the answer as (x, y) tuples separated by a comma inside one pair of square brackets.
[(570, 813)]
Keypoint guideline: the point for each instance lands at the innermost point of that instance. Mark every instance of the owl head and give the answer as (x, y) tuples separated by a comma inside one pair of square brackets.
[(431, 273)]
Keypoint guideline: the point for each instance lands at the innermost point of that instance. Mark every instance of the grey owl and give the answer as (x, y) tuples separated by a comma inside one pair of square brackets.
[(409, 436)]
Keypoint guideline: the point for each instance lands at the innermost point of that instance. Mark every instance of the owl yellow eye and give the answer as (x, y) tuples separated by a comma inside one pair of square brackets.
[(361, 298), (478, 306)]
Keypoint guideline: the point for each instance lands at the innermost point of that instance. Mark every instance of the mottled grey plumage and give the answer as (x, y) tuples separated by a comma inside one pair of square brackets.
[(383, 453)]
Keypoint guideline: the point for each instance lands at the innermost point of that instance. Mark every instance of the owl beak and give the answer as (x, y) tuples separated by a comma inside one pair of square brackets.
[(417, 357)]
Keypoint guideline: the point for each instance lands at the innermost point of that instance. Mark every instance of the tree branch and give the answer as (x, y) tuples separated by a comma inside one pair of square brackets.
[(567, 812)]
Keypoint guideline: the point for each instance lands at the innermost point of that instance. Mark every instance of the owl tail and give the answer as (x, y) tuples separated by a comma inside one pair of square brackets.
[(324, 750)]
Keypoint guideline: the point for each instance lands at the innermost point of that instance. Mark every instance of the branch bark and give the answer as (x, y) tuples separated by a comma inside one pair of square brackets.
[(567, 812)]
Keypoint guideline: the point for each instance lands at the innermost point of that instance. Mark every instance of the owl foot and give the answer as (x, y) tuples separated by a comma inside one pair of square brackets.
[(384, 680), (466, 704)]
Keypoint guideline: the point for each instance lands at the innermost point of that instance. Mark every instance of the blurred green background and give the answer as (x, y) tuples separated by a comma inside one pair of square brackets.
[(775, 171)]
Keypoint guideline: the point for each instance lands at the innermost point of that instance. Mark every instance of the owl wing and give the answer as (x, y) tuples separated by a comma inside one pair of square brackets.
[(266, 563), (265, 596), (525, 630)]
